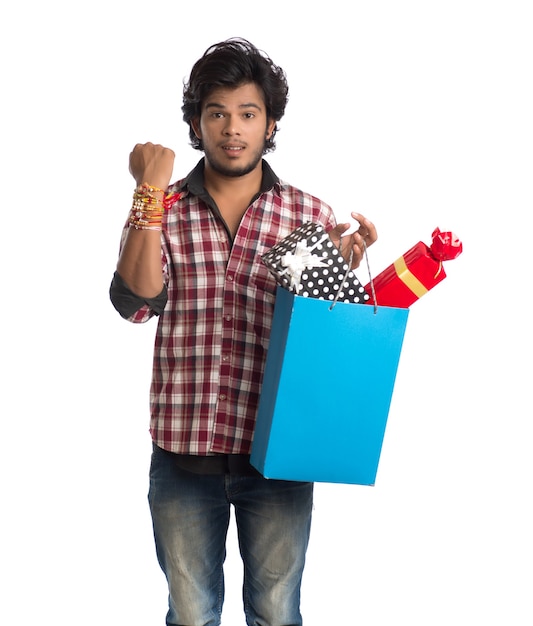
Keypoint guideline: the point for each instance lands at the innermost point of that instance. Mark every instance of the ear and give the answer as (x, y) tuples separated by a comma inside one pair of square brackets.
[(270, 128), (195, 123)]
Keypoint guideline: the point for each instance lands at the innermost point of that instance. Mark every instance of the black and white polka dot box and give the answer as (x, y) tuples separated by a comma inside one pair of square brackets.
[(307, 263)]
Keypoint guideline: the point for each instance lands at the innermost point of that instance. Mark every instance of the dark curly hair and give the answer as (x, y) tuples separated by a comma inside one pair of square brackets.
[(233, 63)]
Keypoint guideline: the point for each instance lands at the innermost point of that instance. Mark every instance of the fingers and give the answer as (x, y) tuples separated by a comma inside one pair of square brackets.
[(358, 252), (151, 163), (363, 237), (366, 231), (337, 232), (353, 247)]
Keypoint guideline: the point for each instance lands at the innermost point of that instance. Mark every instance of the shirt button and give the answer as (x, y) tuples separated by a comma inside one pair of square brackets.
[(227, 318), (225, 358), (229, 278), (222, 396)]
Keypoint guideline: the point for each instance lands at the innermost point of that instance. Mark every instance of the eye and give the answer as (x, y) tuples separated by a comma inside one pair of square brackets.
[(249, 116)]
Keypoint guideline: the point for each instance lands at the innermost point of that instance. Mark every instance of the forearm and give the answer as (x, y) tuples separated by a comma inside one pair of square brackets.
[(139, 264)]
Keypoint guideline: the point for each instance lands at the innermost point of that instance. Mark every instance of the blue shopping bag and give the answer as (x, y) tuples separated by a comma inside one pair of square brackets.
[(327, 389)]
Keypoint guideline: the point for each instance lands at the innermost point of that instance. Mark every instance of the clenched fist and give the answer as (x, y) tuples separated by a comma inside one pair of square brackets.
[(151, 163)]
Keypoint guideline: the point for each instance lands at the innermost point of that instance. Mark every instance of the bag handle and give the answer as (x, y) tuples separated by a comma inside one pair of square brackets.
[(335, 300), (371, 280)]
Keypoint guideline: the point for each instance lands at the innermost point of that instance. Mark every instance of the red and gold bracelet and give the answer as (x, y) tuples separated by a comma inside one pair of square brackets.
[(147, 209)]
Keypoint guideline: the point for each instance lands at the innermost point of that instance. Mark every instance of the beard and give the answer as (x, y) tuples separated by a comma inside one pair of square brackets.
[(225, 168)]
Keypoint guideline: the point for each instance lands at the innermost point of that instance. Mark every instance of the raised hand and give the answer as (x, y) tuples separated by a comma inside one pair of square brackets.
[(153, 164)]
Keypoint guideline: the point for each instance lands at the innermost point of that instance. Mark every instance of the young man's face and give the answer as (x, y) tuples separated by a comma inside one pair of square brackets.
[(233, 127)]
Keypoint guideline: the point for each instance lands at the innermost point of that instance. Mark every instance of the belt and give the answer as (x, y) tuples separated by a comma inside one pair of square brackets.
[(218, 464)]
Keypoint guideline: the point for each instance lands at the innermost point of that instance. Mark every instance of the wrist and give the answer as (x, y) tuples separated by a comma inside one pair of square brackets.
[(147, 209)]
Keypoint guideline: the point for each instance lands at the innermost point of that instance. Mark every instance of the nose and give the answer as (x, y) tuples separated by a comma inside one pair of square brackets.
[(231, 127)]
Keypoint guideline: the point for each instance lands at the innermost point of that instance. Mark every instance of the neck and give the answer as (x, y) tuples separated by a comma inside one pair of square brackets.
[(247, 184)]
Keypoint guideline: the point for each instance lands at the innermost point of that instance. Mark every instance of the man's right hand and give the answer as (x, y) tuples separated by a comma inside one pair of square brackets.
[(153, 164)]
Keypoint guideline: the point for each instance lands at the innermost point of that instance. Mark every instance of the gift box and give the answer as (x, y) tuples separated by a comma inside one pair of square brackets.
[(415, 273), (307, 263), (327, 389)]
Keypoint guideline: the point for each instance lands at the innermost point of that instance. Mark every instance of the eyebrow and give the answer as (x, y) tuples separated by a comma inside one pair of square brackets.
[(245, 105)]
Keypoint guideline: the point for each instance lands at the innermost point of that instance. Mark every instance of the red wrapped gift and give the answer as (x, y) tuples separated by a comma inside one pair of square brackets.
[(415, 273)]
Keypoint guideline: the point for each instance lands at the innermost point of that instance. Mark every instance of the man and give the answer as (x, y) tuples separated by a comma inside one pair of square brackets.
[(191, 254)]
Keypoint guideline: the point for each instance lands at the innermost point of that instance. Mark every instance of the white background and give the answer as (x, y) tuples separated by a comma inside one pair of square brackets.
[(417, 114)]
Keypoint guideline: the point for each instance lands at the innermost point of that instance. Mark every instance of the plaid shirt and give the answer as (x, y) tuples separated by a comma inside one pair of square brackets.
[(212, 337)]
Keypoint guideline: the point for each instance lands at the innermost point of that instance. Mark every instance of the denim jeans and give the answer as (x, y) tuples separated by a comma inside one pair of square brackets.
[(191, 514)]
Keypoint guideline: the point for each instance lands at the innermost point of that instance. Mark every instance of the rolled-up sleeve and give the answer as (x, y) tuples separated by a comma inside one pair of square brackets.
[(133, 307)]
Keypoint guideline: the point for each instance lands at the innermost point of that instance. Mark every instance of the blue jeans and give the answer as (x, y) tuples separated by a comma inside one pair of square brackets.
[(191, 514)]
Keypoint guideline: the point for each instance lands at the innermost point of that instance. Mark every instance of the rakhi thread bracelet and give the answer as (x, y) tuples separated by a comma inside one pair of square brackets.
[(147, 210), (142, 197), (144, 219), (145, 188), (144, 193), (143, 222)]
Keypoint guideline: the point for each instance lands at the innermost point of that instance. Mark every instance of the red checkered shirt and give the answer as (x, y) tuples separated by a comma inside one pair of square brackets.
[(212, 337)]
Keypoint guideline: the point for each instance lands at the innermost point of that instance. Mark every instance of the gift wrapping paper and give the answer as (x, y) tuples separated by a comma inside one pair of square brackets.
[(415, 273), (307, 263)]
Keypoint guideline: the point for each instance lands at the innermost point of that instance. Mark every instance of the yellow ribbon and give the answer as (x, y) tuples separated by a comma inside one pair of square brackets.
[(408, 278)]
